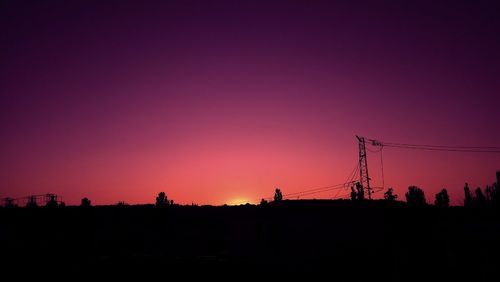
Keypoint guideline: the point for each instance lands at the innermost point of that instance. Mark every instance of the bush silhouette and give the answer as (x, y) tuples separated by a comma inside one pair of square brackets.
[(415, 196), (389, 195), (85, 202)]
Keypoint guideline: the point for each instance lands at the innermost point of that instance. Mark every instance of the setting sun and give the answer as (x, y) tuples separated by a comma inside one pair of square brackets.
[(238, 201)]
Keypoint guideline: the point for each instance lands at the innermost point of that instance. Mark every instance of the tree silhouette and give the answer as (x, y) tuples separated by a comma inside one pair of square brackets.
[(263, 202), (278, 196), (415, 196), (468, 197), (161, 200), (495, 195), (489, 193), (353, 194), (480, 200), (85, 202), (32, 202), (492, 195), (361, 192), (52, 202), (442, 199), (389, 195), (9, 203), (498, 180)]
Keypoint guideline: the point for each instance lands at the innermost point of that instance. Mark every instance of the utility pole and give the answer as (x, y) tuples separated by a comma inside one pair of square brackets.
[(364, 179)]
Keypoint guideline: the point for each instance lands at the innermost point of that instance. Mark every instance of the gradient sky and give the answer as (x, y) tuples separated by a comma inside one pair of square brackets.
[(222, 101)]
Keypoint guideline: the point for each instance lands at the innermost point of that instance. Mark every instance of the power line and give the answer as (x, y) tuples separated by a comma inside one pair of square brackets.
[(321, 191), (314, 189), (440, 146), (466, 149), (350, 178), (443, 149), (341, 196)]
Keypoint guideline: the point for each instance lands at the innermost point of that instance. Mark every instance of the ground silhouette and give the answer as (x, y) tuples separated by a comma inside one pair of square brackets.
[(352, 240)]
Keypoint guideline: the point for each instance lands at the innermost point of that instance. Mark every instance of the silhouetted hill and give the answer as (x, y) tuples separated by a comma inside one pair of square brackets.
[(345, 240)]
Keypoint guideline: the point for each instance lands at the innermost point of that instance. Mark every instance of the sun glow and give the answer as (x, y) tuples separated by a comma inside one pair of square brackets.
[(238, 201)]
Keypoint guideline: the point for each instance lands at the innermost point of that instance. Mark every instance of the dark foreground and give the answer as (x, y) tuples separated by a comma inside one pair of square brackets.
[(339, 240)]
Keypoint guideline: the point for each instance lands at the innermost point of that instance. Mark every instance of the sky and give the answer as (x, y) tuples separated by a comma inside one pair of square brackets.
[(219, 102)]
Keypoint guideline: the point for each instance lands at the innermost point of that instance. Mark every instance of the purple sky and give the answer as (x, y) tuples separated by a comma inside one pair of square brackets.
[(222, 101)]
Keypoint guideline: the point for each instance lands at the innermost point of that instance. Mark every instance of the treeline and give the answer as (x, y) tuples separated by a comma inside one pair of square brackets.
[(415, 196)]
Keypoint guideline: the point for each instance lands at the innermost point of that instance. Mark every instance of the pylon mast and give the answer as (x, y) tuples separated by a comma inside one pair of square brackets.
[(364, 179)]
